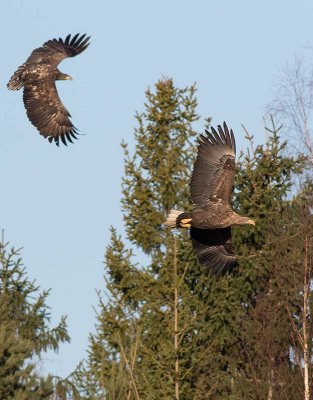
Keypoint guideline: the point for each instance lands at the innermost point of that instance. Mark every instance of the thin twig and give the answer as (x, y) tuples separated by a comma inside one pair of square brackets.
[(130, 370)]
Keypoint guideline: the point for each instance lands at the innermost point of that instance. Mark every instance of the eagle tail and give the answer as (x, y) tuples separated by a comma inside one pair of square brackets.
[(16, 82), (172, 217)]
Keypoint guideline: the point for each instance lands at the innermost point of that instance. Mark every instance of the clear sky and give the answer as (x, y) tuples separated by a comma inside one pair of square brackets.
[(58, 203)]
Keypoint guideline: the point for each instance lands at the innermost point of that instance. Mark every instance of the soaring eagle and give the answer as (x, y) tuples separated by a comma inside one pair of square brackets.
[(212, 216), (38, 75)]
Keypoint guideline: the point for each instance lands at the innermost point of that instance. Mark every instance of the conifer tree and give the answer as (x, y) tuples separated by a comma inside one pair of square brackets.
[(136, 328), (24, 331), (167, 330), (270, 271)]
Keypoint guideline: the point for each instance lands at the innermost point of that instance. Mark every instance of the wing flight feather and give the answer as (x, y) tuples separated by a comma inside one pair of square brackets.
[(46, 111), (54, 51), (214, 249), (214, 170)]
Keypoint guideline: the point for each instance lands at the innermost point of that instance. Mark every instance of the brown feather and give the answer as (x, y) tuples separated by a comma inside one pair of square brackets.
[(54, 51), (38, 75), (47, 113), (211, 188), (214, 170), (214, 249)]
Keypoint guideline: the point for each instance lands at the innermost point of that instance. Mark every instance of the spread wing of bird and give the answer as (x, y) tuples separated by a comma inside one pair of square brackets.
[(214, 249), (54, 51), (46, 111), (42, 102), (214, 170)]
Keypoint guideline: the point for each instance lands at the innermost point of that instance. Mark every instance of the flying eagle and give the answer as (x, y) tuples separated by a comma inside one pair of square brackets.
[(37, 76), (212, 216)]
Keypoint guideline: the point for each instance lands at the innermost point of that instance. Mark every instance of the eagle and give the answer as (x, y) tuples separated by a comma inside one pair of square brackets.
[(212, 216), (37, 76)]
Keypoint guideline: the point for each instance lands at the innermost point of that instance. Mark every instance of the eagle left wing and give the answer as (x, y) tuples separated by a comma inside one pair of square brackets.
[(47, 113), (214, 249), (54, 51)]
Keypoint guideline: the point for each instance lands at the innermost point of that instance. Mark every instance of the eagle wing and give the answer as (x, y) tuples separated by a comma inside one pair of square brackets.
[(47, 113), (54, 51), (214, 170), (214, 249)]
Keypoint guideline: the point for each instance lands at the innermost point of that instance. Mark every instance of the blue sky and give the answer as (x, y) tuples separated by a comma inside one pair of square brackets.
[(58, 203)]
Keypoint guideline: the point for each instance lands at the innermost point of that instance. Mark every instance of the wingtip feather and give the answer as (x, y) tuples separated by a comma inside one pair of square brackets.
[(221, 136)]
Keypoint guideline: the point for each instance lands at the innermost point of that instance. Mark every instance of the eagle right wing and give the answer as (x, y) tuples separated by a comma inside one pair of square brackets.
[(214, 249), (214, 170), (47, 113)]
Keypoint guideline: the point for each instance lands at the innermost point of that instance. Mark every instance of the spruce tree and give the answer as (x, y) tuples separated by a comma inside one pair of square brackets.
[(270, 270), (166, 329), (24, 331), (141, 328)]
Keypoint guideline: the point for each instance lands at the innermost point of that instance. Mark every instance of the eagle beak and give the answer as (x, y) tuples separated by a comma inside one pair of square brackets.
[(184, 223), (68, 78), (251, 222)]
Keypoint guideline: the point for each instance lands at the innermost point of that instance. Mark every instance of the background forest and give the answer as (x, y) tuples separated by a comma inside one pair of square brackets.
[(165, 329), (131, 315)]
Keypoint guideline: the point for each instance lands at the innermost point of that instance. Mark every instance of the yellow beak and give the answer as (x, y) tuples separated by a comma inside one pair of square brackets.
[(184, 223)]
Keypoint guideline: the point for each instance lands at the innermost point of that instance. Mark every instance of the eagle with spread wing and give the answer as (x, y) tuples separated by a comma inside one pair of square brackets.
[(212, 216), (37, 76)]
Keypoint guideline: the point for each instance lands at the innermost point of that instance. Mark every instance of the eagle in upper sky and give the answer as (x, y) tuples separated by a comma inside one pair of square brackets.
[(37, 76), (212, 216)]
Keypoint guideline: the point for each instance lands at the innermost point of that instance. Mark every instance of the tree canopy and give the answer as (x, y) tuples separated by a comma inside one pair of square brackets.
[(164, 328), (24, 331)]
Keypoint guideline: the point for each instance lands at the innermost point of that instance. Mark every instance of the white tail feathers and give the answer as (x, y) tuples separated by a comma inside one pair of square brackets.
[(171, 219)]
